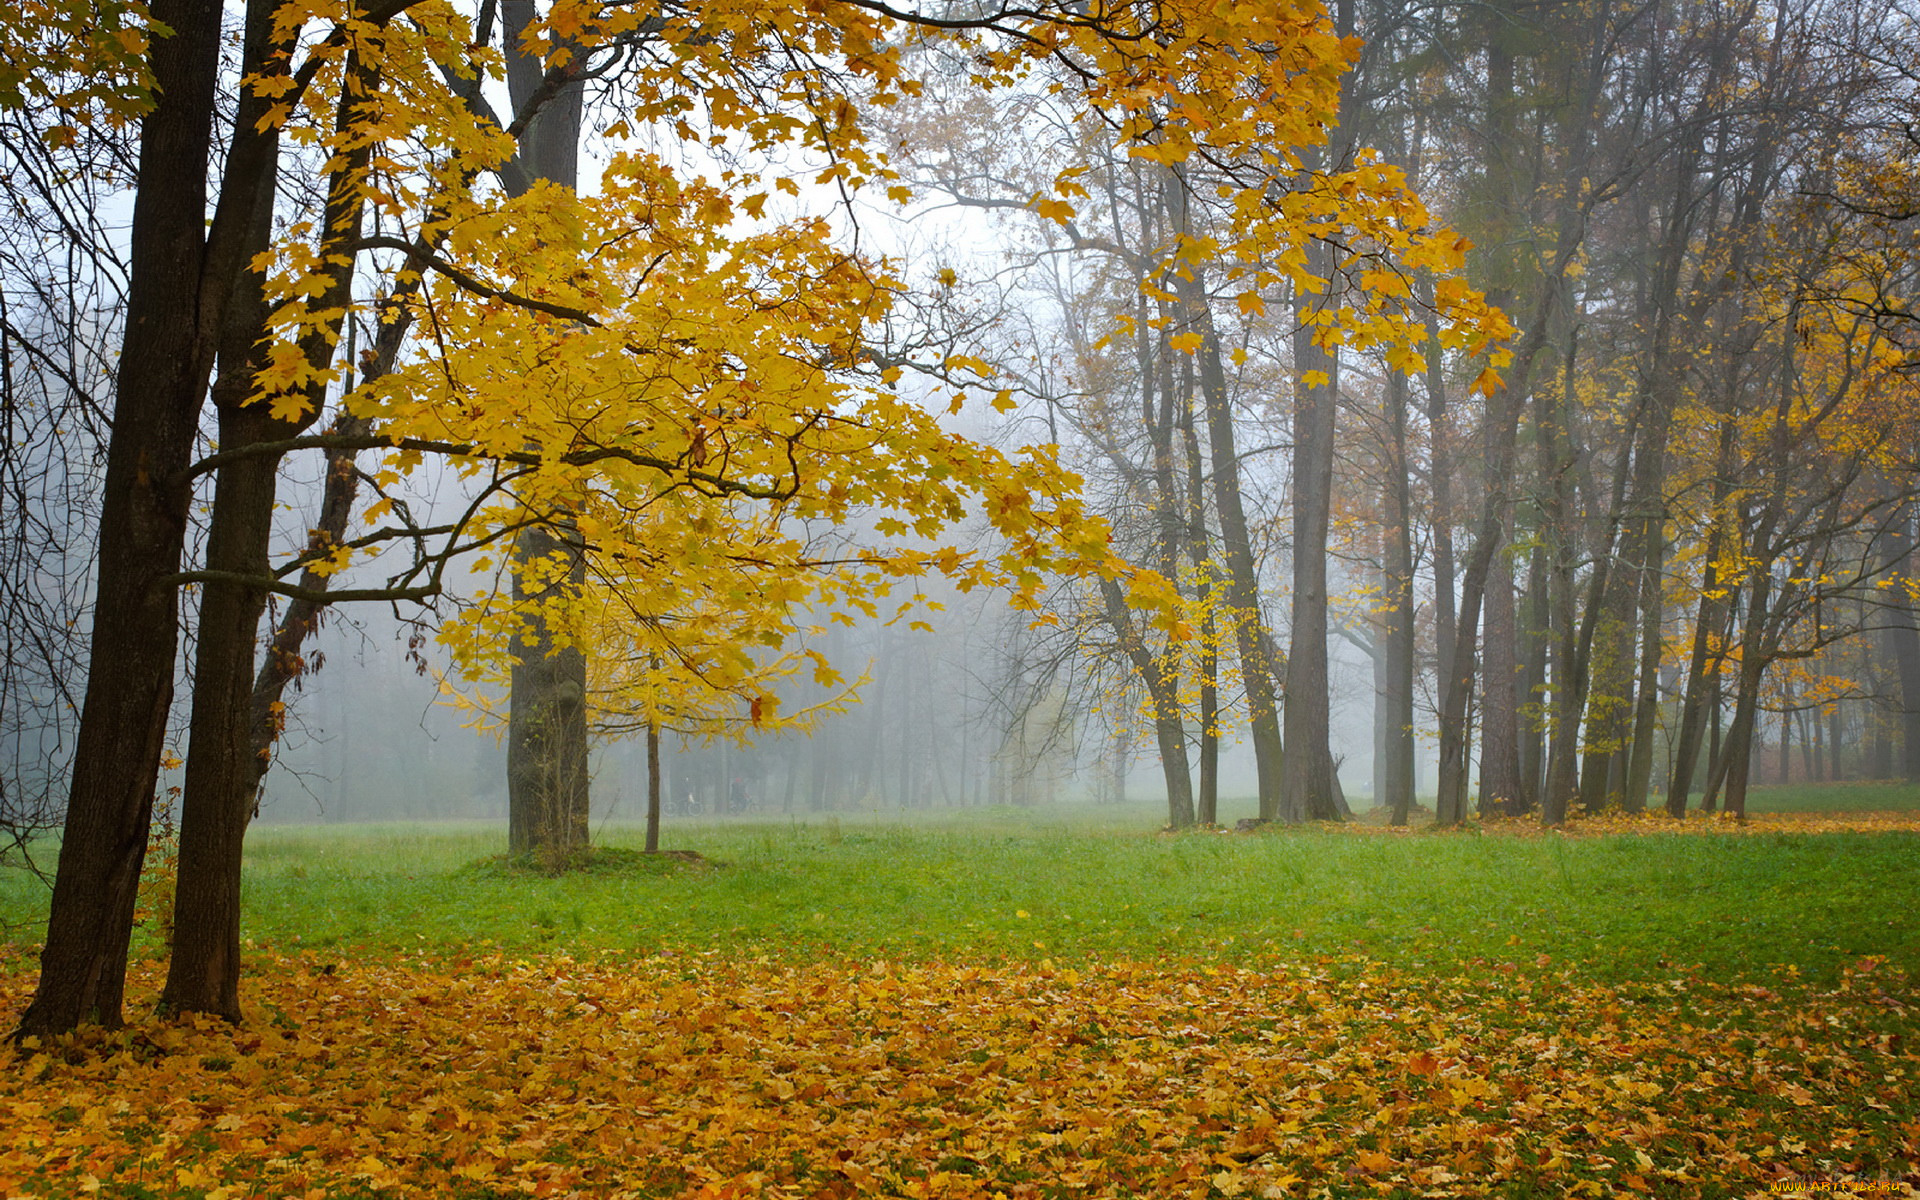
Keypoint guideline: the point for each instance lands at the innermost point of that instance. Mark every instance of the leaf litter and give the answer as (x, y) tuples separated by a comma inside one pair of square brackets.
[(715, 1076)]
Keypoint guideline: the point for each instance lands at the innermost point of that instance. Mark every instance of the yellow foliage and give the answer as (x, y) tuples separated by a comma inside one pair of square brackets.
[(700, 1076)]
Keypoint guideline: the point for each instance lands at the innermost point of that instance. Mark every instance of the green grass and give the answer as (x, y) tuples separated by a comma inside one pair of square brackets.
[(1083, 882), (1834, 797)]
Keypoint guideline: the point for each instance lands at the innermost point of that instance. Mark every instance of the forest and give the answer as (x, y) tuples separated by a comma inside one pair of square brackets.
[(1148, 543)]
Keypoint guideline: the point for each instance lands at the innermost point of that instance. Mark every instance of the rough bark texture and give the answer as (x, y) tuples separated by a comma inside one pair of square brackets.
[(166, 357), (547, 781), (547, 777), (223, 760), (204, 974)]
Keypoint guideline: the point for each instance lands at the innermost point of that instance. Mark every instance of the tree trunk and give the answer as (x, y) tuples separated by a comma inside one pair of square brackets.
[(1502, 792), (1903, 640), (1708, 644), (166, 357), (1738, 751), (1307, 788), (1200, 554), (1243, 585), (1398, 643), (653, 785), (1163, 693), (1536, 635), (223, 767), (548, 798), (1646, 713), (225, 759), (1610, 701)]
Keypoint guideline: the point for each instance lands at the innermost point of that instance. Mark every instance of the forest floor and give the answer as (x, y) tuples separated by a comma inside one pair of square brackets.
[(1026, 1003)]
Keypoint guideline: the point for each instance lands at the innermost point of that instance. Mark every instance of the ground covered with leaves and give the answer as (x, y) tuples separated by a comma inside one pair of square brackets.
[(710, 1075)]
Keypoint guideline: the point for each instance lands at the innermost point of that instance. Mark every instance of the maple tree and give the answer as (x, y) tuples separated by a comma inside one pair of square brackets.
[(388, 97)]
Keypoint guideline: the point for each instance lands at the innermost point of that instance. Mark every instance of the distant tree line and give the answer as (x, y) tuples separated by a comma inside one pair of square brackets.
[(1679, 529)]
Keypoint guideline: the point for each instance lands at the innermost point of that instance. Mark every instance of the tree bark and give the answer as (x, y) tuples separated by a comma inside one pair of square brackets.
[(1307, 788), (1502, 792), (1199, 553), (166, 356), (548, 783), (224, 763), (1243, 585)]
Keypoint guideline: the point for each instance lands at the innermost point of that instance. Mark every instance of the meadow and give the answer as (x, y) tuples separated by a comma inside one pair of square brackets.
[(1087, 884), (1025, 1002)]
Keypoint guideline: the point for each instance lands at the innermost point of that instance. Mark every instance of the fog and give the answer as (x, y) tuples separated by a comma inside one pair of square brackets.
[(986, 709)]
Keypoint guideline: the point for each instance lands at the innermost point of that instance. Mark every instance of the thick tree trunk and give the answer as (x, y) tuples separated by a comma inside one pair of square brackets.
[(1502, 792), (1307, 788), (223, 769), (166, 357), (547, 781), (548, 796), (225, 761)]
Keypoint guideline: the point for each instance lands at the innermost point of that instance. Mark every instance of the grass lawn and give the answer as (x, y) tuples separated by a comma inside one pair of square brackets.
[(1025, 1003), (1096, 883)]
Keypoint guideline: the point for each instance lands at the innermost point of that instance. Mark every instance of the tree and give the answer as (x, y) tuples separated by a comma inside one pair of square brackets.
[(388, 95), (548, 802), (178, 270)]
